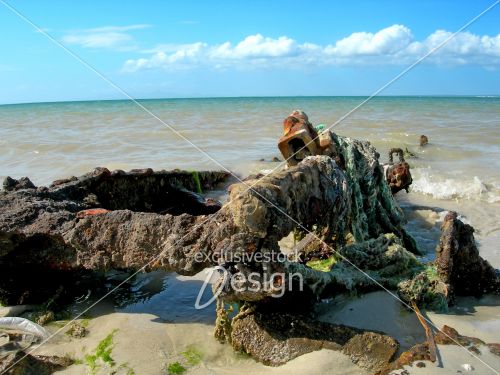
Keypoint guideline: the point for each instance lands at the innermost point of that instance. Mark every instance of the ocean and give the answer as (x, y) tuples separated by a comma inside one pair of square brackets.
[(458, 170)]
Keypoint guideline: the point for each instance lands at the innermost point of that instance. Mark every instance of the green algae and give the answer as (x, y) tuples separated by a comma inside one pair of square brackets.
[(324, 265), (196, 178), (175, 368), (123, 366), (102, 353), (192, 355), (431, 272), (426, 290)]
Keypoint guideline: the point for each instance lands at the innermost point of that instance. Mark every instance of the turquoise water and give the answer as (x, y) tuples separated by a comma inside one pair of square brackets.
[(459, 168)]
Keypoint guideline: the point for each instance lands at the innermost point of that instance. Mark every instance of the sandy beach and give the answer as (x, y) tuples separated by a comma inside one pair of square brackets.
[(165, 341)]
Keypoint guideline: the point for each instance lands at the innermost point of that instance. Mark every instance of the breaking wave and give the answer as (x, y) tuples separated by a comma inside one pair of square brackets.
[(426, 182)]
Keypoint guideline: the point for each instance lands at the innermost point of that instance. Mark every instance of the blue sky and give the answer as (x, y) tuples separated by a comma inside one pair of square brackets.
[(155, 49)]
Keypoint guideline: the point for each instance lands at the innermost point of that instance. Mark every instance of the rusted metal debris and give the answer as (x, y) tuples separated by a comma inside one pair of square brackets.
[(300, 139), (431, 343), (398, 174)]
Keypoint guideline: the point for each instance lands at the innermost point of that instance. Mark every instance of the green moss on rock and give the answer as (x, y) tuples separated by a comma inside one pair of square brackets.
[(323, 265)]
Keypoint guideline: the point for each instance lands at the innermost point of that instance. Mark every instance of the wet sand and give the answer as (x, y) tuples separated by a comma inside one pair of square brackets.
[(147, 342)]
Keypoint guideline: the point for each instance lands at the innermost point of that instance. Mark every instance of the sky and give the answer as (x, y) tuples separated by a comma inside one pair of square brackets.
[(163, 49)]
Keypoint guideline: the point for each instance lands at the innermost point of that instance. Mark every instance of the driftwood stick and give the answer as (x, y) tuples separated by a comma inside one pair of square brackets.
[(428, 332)]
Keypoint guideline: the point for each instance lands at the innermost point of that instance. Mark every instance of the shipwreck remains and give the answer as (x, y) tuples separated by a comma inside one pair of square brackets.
[(140, 214), (334, 199)]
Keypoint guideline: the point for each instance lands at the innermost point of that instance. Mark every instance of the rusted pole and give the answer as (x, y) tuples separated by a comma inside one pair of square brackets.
[(428, 332)]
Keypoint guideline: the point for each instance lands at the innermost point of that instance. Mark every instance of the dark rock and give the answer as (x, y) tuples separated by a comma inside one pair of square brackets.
[(450, 336), (457, 270), (156, 219), (423, 140), (459, 264), (494, 348), (276, 338), (38, 225), (63, 181), (21, 364), (10, 184), (371, 350), (116, 220), (419, 352)]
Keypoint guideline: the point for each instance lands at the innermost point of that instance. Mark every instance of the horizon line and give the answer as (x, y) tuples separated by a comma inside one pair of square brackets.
[(484, 96)]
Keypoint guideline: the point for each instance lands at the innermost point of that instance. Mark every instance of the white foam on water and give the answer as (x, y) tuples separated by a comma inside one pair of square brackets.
[(429, 183)]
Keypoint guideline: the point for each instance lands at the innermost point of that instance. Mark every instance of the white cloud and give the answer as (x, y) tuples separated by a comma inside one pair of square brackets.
[(392, 45), (464, 48), (387, 41), (115, 37)]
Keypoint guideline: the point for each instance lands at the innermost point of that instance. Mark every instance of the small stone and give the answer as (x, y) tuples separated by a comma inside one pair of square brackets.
[(77, 330), (45, 318), (371, 350), (25, 183), (423, 140), (9, 183), (474, 349), (494, 348), (100, 171)]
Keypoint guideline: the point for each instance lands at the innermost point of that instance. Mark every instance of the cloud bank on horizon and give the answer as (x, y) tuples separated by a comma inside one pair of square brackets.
[(392, 45)]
